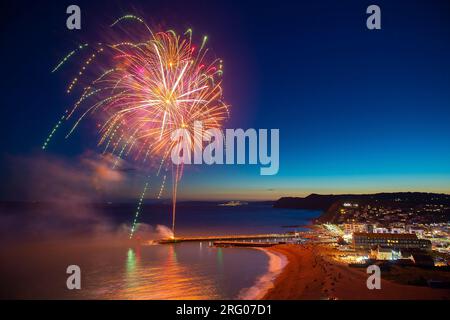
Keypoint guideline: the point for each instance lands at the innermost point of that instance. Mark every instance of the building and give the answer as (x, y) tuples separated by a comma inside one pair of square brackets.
[(350, 228), (350, 205), (417, 231), (385, 253), (365, 241), (394, 229), (380, 230), (397, 230), (423, 260)]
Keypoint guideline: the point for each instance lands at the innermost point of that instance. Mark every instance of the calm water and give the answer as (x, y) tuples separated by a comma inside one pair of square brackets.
[(119, 271)]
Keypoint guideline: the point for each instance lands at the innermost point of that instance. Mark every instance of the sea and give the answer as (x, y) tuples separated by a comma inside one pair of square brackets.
[(39, 243)]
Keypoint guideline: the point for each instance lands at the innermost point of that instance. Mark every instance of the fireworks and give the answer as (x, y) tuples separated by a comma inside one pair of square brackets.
[(138, 210), (141, 90), (45, 144)]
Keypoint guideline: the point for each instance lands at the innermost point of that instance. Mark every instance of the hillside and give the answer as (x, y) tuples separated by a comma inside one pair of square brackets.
[(331, 203)]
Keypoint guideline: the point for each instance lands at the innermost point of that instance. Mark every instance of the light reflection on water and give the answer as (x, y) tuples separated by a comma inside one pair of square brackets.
[(168, 280), (181, 271)]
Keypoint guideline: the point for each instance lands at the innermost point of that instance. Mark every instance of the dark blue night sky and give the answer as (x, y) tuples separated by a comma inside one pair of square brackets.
[(358, 110)]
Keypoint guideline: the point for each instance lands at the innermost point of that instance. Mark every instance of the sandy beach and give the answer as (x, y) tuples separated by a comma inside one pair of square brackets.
[(310, 274)]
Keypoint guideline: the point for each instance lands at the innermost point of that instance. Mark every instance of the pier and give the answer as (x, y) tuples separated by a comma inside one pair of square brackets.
[(244, 244), (291, 235)]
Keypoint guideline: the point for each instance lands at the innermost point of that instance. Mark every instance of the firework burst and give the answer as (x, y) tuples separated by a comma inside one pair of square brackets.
[(145, 90)]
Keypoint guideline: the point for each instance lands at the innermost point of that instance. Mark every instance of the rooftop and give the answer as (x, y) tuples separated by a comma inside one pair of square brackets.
[(385, 235)]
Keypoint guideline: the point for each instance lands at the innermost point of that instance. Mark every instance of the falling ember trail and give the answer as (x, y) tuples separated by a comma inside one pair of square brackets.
[(174, 196), (162, 188), (46, 142), (138, 210)]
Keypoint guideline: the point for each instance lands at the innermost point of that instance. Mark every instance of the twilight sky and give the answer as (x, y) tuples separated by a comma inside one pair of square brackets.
[(358, 110)]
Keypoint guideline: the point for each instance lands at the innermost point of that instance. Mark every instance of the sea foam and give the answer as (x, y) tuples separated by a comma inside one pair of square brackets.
[(265, 282)]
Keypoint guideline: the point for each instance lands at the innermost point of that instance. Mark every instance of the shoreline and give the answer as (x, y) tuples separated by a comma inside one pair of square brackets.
[(277, 262), (311, 274)]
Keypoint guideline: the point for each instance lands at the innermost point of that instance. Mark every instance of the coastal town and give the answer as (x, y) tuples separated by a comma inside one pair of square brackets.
[(409, 243), (392, 234), (329, 258)]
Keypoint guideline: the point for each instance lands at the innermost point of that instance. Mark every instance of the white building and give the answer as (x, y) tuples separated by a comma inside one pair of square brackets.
[(397, 230), (380, 230)]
